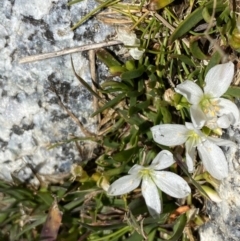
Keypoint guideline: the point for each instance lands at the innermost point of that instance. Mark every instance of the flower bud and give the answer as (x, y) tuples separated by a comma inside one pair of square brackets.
[(212, 194)]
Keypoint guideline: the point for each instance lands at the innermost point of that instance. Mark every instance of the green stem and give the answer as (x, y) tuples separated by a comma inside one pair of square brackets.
[(117, 233)]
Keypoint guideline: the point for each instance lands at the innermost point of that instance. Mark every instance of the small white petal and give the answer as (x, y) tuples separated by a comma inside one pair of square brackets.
[(163, 160), (136, 53), (213, 159), (212, 123), (190, 126), (191, 91), (221, 76), (124, 185), (171, 183), (197, 116), (228, 107), (126, 36), (221, 142), (151, 196), (135, 169), (224, 121), (169, 135), (190, 155)]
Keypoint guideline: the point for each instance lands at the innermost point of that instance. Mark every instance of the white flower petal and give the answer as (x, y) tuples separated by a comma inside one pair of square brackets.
[(190, 126), (191, 91), (126, 36), (228, 107), (190, 155), (224, 121), (213, 159), (221, 76), (163, 160), (171, 183), (169, 135), (124, 185), (221, 142), (151, 196), (197, 116), (135, 169), (136, 53), (212, 123)]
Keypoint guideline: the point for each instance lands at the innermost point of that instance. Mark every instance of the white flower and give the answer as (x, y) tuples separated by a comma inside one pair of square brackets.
[(207, 108), (129, 38), (208, 147), (152, 178)]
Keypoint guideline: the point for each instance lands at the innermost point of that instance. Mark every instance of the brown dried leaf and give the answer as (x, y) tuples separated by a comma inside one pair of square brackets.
[(52, 224)]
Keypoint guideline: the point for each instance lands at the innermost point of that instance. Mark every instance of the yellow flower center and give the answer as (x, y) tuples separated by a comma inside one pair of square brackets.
[(194, 138), (146, 172), (209, 106)]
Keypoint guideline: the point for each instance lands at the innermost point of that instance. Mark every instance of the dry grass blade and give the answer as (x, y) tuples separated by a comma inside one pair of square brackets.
[(84, 83), (39, 57)]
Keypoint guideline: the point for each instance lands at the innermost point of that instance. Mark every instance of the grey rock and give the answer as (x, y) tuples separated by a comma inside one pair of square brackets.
[(30, 116), (224, 223)]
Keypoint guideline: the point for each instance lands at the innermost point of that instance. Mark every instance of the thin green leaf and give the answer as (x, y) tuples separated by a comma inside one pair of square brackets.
[(69, 141), (3, 216), (206, 15), (103, 227), (166, 115), (233, 91), (155, 5), (195, 49), (110, 143), (178, 227), (73, 2), (107, 58), (138, 108), (40, 220), (113, 128), (12, 216), (84, 83), (124, 156), (133, 119), (18, 193), (133, 74), (46, 197), (183, 58), (115, 85), (194, 18), (115, 171), (215, 59), (94, 11), (134, 237), (110, 104), (133, 93), (161, 220)]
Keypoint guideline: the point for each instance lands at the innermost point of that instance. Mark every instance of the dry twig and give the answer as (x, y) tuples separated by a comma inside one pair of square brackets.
[(38, 57)]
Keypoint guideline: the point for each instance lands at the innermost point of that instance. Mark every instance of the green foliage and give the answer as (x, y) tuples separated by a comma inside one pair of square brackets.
[(195, 17)]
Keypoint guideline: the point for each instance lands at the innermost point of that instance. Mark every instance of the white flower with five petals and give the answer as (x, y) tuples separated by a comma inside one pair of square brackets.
[(208, 148), (151, 178), (207, 108)]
